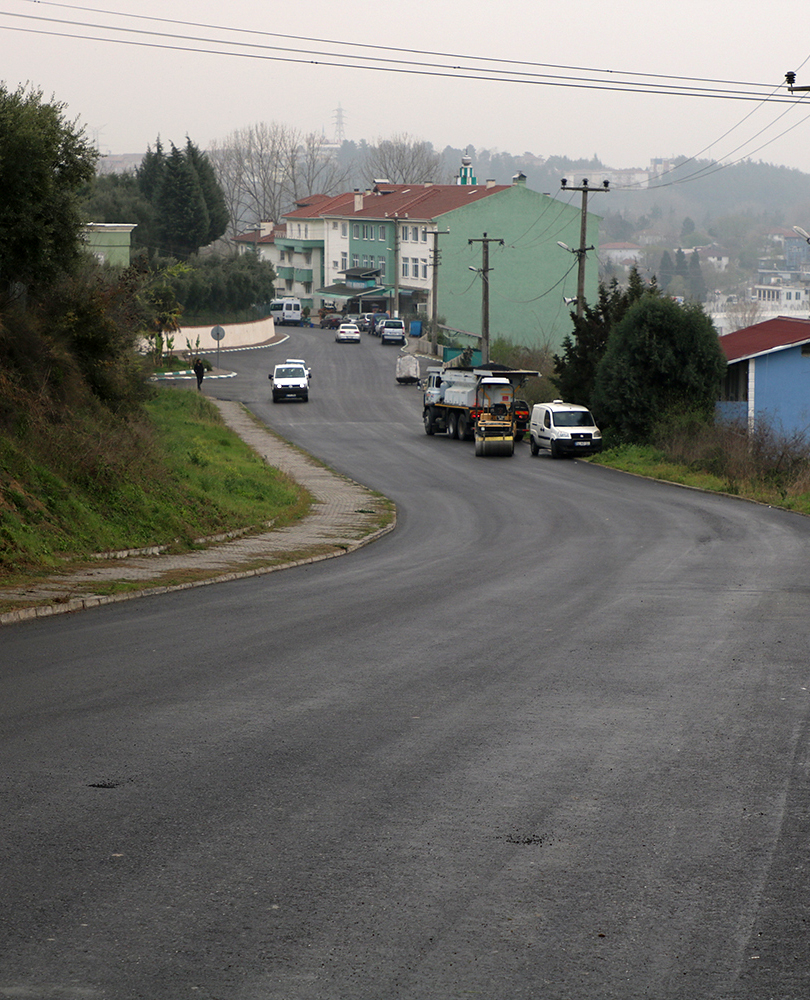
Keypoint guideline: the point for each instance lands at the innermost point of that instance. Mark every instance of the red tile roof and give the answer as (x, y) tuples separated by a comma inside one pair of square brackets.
[(762, 338), (404, 201)]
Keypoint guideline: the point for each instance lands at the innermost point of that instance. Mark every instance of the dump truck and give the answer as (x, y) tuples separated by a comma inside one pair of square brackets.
[(474, 404)]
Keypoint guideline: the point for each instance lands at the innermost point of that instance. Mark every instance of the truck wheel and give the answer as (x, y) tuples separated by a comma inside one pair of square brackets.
[(275, 398), (452, 425), (427, 417), (533, 446), (305, 398), (463, 430)]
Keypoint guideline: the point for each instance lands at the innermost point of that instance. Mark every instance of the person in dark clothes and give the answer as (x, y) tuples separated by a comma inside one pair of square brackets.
[(199, 371)]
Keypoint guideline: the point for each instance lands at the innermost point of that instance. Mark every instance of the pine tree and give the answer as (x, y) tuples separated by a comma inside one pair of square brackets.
[(218, 215), (575, 369), (666, 270), (697, 283), (182, 212)]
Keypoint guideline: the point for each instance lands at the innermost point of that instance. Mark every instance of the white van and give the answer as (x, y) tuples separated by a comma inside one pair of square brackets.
[(286, 312), (563, 429), (290, 380)]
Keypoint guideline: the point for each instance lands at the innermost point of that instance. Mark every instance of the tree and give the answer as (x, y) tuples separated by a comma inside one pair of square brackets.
[(118, 198), (697, 283), (660, 356), (402, 160), (213, 194), (575, 369), (666, 271), (182, 213), (44, 161)]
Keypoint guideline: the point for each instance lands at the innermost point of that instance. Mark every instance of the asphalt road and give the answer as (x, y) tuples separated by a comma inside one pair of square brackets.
[(548, 739)]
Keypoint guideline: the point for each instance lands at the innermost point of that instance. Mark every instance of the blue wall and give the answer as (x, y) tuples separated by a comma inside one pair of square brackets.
[(782, 390)]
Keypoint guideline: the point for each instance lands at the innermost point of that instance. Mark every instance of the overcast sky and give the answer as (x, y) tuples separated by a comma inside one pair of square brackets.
[(128, 92)]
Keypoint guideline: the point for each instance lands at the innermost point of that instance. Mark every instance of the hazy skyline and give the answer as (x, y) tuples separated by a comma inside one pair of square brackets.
[(128, 88)]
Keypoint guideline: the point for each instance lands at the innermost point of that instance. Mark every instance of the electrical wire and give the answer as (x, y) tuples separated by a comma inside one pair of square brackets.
[(688, 87)]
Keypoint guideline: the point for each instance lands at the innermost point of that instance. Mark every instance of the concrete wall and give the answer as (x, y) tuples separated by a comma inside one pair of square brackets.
[(236, 335)]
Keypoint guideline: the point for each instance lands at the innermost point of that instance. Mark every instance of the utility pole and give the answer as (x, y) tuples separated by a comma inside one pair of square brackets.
[(435, 259), (484, 272), (582, 250)]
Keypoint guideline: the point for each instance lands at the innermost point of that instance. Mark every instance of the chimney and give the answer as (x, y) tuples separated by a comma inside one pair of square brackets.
[(490, 182), (358, 201)]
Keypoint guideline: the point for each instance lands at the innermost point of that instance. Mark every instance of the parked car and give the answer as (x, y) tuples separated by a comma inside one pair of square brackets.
[(376, 319), (392, 331), (347, 333), (331, 321), (364, 321), (563, 429)]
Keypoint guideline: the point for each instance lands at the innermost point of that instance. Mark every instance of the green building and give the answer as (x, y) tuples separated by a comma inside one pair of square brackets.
[(420, 246)]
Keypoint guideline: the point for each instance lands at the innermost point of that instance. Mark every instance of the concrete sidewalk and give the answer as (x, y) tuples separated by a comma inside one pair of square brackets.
[(344, 517)]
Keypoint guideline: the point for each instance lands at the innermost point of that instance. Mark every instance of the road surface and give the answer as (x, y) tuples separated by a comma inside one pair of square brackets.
[(548, 739)]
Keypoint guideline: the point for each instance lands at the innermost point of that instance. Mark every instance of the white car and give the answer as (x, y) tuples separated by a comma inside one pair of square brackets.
[(347, 333), (563, 429)]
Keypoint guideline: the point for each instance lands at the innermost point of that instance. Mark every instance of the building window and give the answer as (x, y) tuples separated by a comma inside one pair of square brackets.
[(344, 261), (306, 232), (344, 229), (334, 223), (415, 234), (299, 228), (356, 231), (382, 267), (307, 288), (308, 257), (365, 260), (355, 260), (381, 234), (424, 269), (371, 262), (424, 235), (334, 265), (282, 256), (405, 267), (404, 234), (288, 284)]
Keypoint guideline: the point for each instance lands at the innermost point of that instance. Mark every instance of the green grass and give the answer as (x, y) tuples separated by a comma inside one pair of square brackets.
[(645, 460), (168, 475)]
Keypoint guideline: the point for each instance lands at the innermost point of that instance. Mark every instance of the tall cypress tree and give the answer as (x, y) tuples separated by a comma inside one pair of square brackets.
[(182, 212), (218, 215), (666, 270), (697, 283)]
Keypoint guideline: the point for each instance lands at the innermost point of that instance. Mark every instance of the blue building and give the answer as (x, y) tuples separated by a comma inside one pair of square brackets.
[(768, 376)]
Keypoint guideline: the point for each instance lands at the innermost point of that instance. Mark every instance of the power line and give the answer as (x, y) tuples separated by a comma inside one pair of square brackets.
[(687, 87)]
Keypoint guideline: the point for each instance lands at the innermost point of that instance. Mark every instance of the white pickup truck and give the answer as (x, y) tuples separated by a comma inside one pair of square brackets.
[(290, 380)]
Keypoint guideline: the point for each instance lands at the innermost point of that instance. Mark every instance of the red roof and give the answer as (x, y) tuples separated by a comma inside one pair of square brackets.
[(403, 201), (762, 338)]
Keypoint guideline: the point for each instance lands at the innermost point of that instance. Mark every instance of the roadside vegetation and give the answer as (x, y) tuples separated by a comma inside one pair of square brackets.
[(169, 475), (93, 458)]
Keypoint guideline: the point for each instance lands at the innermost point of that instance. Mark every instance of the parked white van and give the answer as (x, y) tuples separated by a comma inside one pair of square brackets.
[(286, 312), (563, 429)]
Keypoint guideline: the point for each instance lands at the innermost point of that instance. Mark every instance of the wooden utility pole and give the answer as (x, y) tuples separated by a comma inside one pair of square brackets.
[(435, 260), (484, 272), (582, 250)]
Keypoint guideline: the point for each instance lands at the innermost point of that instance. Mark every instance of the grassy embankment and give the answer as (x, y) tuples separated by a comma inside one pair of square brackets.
[(171, 475), (778, 480)]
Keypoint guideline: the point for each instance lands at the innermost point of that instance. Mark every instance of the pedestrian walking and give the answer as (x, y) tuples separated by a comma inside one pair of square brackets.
[(199, 371)]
